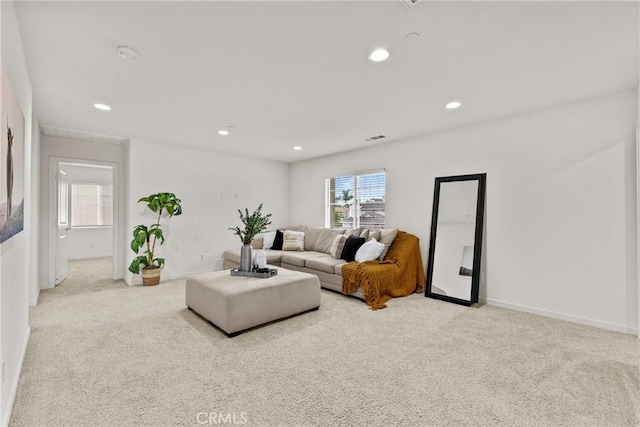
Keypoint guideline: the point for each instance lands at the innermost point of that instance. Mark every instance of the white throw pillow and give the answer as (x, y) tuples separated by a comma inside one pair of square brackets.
[(269, 237), (369, 251), (293, 241)]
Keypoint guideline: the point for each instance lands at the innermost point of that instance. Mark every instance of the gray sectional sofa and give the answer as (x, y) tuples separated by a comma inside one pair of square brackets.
[(328, 269), (315, 258)]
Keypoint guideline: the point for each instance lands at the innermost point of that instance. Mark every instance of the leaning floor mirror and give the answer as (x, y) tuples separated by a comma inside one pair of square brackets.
[(455, 249)]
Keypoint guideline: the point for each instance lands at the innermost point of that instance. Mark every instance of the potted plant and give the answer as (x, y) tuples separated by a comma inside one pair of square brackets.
[(146, 237), (253, 223)]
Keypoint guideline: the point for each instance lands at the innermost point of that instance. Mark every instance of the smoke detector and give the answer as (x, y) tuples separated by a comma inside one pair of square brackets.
[(126, 52), (412, 37)]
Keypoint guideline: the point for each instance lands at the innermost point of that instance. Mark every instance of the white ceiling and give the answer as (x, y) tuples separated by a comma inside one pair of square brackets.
[(296, 73)]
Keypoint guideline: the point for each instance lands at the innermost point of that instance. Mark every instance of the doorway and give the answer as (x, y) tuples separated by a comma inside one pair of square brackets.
[(83, 215)]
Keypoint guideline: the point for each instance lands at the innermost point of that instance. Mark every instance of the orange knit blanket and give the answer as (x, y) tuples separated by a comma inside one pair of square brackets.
[(400, 274)]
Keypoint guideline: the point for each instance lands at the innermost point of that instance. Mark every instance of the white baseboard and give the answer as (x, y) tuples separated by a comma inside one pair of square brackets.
[(33, 302), (77, 258), (136, 280), (16, 379), (561, 316)]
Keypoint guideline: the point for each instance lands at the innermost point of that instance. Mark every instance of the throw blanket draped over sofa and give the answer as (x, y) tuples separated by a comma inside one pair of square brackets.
[(400, 274)]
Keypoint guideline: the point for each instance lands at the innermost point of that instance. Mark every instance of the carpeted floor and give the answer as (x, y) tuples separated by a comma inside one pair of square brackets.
[(103, 353)]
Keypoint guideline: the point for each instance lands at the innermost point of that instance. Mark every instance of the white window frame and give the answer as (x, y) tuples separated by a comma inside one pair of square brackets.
[(98, 207), (356, 176)]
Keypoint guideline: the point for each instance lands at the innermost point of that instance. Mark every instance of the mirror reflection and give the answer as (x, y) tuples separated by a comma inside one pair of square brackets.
[(453, 258), (455, 232)]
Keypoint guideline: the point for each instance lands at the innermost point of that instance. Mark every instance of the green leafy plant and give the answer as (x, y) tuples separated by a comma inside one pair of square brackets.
[(345, 198), (147, 237), (254, 223)]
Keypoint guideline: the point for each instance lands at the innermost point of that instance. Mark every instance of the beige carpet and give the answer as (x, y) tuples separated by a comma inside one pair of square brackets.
[(102, 353)]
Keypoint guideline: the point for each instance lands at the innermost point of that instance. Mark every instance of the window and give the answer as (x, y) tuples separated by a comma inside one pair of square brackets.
[(357, 200), (91, 205)]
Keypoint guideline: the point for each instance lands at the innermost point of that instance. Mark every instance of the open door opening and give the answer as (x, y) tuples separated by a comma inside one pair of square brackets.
[(84, 217)]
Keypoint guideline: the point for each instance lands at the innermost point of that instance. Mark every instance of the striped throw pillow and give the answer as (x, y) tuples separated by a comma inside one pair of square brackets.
[(293, 241), (337, 246)]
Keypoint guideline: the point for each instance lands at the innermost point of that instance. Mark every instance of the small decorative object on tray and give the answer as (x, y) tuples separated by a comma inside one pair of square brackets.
[(260, 273)]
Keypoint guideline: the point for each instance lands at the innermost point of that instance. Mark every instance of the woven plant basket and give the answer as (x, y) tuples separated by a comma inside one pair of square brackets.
[(151, 276)]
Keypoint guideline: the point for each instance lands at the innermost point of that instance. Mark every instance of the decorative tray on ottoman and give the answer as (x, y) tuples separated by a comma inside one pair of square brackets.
[(261, 275)]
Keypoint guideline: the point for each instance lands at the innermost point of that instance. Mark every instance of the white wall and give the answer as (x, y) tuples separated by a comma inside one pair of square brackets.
[(86, 243), (212, 187), (14, 253), (83, 243), (560, 207), (73, 149), (34, 241)]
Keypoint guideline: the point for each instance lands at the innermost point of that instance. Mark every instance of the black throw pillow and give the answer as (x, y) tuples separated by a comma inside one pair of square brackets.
[(278, 241), (351, 246)]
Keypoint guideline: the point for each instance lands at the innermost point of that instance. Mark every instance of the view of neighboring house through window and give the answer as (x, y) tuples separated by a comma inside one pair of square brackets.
[(356, 200), (91, 205)]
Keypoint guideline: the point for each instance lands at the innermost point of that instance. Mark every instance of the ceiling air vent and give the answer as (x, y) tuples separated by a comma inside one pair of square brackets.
[(412, 3), (375, 138)]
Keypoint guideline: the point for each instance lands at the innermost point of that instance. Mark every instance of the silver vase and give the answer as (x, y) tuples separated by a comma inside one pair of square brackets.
[(245, 258)]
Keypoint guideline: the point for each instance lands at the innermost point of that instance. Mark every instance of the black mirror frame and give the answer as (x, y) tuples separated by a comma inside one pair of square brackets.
[(477, 245)]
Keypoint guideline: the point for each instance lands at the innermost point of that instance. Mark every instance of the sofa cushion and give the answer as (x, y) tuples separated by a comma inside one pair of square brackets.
[(257, 243), (374, 234), (386, 237), (311, 235), (233, 255), (293, 241), (337, 246), (351, 246), (338, 269), (369, 251), (299, 258), (364, 233), (353, 232), (325, 239), (325, 263)]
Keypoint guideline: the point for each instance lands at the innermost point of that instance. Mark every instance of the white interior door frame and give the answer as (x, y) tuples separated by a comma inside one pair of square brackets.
[(54, 163), (62, 225), (638, 213)]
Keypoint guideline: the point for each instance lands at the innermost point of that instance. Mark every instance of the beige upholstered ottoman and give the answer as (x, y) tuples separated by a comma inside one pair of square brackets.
[(234, 303)]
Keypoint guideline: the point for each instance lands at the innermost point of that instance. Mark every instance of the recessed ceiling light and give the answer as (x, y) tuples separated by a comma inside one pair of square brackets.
[(223, 132), (102, 107), (378, 55), (297, 148), (453, 105)]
